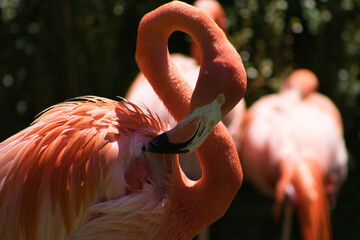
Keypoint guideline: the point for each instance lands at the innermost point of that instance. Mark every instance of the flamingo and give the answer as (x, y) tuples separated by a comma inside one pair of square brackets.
[(140, 90), (294, 151), (95, 168)]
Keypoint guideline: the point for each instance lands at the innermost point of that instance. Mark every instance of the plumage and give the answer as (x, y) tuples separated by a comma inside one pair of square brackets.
[(102, 135)]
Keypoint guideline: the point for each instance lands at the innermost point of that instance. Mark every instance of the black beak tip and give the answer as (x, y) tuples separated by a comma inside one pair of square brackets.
[(161, 144)]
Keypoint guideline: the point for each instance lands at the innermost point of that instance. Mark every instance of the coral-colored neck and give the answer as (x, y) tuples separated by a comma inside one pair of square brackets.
[(153, 57), (207, 199)]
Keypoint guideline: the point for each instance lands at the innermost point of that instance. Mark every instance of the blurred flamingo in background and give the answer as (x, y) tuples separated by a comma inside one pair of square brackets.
[(93, 168), (141, 91), (294, 150)]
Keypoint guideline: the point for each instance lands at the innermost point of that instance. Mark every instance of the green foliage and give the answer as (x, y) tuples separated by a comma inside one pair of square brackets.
[(55, 50)]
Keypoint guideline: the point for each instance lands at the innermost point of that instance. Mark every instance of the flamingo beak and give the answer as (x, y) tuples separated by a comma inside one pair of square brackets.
[(190, 132)]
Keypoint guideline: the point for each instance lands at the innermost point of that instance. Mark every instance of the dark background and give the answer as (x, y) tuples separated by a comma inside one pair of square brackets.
[(54, 50)]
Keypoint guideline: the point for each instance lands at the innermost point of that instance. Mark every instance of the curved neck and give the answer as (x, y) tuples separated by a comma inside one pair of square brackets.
[(153, 57), (222, 174)]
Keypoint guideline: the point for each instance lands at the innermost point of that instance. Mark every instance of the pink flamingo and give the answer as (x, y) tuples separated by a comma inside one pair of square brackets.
[(141, 91), (93, 169), (293, 147)]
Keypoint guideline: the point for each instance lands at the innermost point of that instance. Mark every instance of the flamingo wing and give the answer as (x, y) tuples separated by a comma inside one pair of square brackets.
[(76, 160)]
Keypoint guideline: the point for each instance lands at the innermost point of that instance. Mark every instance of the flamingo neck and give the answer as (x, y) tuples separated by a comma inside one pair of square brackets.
[(154, 60), (194, 205), (207, 199)]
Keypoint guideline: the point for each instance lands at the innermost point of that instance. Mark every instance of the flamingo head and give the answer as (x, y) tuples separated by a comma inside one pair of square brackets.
[(220, 86), (303, 80)]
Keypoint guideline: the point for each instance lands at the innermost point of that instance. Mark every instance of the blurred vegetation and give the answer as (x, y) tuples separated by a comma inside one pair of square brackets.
[(55, 50)]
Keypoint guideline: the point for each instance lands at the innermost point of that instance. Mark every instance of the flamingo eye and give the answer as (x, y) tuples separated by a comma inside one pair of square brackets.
[(220, 99)]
